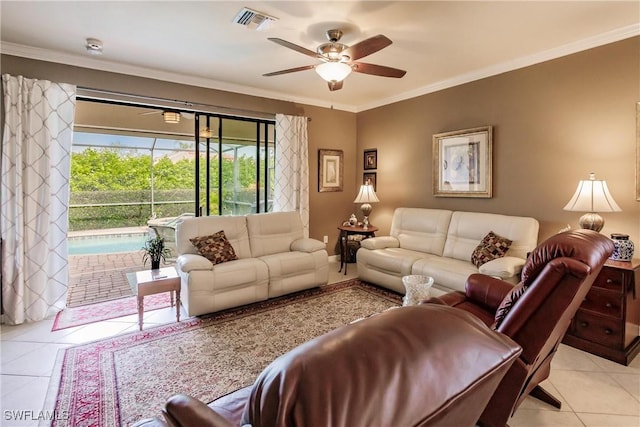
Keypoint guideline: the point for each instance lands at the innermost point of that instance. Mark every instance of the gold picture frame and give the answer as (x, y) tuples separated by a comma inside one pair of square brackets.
[(330, 170), (462, 163)]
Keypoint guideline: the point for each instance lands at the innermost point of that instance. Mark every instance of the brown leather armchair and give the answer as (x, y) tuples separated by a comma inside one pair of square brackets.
[(536, 313), (428, 365)]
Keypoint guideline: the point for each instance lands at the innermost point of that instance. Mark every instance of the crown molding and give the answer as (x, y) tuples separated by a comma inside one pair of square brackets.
[(525, 61), (117, 67)]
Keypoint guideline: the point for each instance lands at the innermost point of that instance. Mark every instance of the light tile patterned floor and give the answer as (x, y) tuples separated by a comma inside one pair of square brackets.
[(595, 392)]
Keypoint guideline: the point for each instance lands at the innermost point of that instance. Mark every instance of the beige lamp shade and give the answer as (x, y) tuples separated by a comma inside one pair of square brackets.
[(592, 196), (366, 196)]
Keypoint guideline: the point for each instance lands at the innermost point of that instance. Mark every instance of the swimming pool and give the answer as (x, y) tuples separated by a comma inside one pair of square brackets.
[(106, 244)]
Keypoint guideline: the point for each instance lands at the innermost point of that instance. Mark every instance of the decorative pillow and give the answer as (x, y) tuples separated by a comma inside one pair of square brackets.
[(491, 247), (216, 248), (508, 302)]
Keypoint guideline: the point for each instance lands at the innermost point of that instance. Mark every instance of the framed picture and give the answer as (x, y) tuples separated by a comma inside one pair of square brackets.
[(330, 167), (638, 151), (462, 163), (369, 177), (370, 159)]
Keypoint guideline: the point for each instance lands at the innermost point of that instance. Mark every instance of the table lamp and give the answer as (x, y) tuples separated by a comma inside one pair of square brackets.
[(592, 196), (366, 196)]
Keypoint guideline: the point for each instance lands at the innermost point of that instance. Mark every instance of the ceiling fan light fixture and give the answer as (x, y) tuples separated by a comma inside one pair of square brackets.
[(171, 116), (333, 71)]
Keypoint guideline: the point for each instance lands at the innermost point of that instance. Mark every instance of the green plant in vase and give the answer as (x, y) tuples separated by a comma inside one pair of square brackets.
[(155, 251)]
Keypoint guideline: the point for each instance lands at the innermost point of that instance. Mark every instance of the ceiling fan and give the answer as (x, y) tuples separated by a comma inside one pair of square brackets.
[(170, 116), (339, 60)]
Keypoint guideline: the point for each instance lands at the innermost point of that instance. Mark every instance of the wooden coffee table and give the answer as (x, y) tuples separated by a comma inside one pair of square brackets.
[(149, 282)]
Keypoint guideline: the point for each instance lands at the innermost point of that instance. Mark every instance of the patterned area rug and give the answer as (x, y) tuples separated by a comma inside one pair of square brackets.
[(85, 314), (118, 381)]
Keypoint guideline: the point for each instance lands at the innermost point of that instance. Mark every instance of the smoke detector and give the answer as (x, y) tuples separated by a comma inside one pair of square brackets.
[(253, 19), (94, 46)]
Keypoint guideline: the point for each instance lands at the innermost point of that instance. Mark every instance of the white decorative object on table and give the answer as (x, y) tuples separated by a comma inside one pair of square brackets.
[(417, 287)]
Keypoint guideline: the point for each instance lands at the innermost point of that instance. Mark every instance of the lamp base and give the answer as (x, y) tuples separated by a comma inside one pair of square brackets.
[(365, 223), (591, 221)]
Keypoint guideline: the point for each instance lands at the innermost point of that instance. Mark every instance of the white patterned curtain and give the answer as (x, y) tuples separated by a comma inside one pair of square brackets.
[(291, 192), (36, 154)]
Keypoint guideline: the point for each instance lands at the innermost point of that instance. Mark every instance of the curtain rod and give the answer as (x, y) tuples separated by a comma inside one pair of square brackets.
[(166, 102)]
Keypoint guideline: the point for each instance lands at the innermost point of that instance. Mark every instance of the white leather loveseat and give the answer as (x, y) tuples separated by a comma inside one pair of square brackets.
[(439, 243), (273, 259)]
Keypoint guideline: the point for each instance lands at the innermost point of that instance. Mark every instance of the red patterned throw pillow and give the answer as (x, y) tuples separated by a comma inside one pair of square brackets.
[(490, 248), (216, 247)]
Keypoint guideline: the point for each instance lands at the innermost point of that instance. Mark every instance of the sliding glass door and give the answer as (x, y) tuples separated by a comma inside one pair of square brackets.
[(234, 165)]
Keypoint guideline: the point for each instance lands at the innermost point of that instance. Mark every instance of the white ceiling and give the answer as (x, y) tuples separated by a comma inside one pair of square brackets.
[(439, 43)]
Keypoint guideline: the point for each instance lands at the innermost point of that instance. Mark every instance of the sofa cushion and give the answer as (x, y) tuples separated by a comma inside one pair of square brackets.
[(215, 247), (423, 230), (491, 247), (235, 229), (273, 232), (468, 228)]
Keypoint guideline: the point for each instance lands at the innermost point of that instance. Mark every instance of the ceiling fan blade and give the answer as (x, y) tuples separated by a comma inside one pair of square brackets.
[(334, 85), (367, 47), (295, 47), (150, 112), (290, 70), (377, 70)]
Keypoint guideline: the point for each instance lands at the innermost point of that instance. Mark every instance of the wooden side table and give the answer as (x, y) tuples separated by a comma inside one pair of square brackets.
[(607, 323), (345, 232), (149, 282)]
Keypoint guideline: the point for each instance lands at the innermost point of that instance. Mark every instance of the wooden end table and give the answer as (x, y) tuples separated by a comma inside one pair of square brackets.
[(149, 282), (345, 232), (608, 320)]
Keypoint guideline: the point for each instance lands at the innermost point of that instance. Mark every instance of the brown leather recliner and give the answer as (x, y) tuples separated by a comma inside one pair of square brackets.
[(428, 365), (536, 313)]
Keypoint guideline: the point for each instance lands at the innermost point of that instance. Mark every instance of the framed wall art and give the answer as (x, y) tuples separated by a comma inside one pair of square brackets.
[(330, 167), (369, 177), (370, 159), (462, 163)]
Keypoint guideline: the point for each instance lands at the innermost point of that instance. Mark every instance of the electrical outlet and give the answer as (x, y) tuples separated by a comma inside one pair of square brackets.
[(325, 239)]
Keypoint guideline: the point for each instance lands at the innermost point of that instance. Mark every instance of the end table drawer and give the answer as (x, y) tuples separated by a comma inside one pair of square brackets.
[(610, 279), (603, 330), (604, 301)]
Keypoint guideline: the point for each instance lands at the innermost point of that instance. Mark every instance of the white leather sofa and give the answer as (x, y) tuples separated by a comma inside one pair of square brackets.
[(273, 259), (439, 243)]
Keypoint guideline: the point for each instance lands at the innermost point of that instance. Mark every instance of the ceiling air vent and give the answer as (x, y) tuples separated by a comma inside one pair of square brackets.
[(253, 19)]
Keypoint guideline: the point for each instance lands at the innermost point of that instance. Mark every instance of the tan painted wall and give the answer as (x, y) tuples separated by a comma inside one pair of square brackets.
[(553, 123)]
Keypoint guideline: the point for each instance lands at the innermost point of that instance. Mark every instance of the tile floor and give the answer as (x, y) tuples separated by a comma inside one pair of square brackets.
[(594, 391)]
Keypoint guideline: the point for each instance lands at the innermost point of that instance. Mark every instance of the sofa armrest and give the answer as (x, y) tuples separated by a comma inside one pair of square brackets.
[(486, 290), (183, 410), (381, 242), (190, 262), (307, 245), (503, 268)]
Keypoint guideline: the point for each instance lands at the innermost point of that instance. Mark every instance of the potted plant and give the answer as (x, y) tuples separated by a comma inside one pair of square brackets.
[(155, 251)]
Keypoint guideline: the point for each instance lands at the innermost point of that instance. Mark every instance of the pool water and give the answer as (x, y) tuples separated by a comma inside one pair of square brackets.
[(106, 244)]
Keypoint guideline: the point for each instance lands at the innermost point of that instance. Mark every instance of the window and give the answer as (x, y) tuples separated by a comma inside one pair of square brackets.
[(129, 165)]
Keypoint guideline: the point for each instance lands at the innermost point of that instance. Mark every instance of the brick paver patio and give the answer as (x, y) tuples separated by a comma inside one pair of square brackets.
[(101, 277)]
